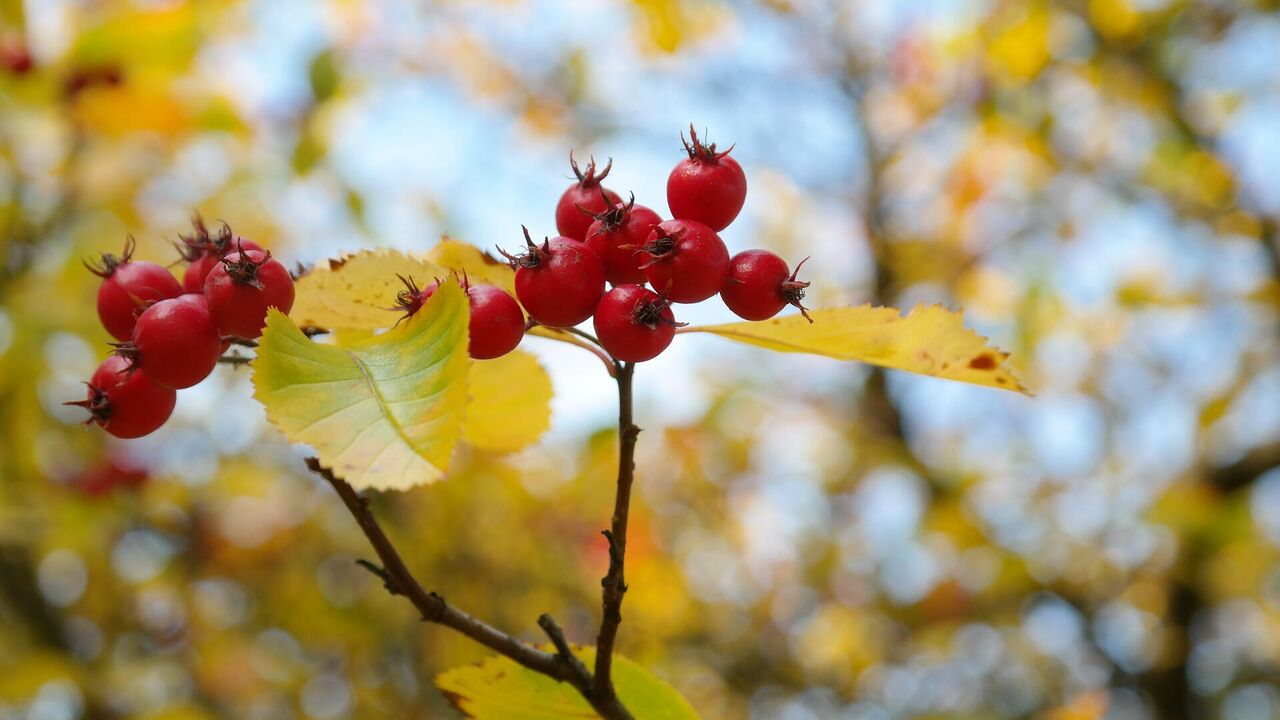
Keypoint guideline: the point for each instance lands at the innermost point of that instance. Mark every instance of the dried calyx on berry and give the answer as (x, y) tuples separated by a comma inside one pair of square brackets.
[(662, 244), (793, 290), (411, 299), (242, 268), (201, 242), (649, 313), (97, 403), (534, 254), (699, 151), (590, 178), (107, 263), (614, 214)]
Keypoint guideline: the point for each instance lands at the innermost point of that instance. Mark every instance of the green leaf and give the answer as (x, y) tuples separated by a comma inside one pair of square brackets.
[(930, 341), (500, 689), (383, 411)]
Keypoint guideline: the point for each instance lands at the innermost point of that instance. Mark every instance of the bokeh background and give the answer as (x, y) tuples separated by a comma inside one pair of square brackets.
[(1092, 181)]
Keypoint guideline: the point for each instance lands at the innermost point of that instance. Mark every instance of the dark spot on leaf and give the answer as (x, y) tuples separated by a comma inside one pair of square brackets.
[(985, 361), (456, 701), (336, 264), (1001, 380)]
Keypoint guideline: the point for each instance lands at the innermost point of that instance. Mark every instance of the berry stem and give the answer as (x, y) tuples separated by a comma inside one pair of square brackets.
[(588, 343)]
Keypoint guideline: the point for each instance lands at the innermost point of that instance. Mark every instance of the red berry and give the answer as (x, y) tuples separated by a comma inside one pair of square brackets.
[(634, 323), (241, 288), (497, 322), (559, 282), (127, 288), (583, 199), (175, 342), (709, 186), (617, 236), (760, 285), (687, 262), (203, 250), (126, 402)]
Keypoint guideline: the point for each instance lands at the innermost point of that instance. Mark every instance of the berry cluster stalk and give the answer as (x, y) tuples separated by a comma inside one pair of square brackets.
[(562, 665)]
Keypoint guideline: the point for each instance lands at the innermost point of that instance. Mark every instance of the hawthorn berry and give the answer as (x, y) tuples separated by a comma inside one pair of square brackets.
[(617, 236), (126, 402), (760, 285), (581, 200), (176, 342), (559, 282), (686, 262), (634, 323), (708, 186), (497, 322), (127, 288), (241, 288), (204, 250)]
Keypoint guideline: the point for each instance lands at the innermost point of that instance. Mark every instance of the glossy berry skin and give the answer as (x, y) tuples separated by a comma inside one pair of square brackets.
[(708, 186), (241, 288), (618, 237), (686, 262), (559, 282), (582, 200), (760, 284), (127, 288), (126, 404), (634, 324), (497, 322), (175, 342), (194, 276)]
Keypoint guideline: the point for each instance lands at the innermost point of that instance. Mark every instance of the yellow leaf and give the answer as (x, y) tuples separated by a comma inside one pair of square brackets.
[(930, 341), (480, 267), (1021, 49), (383, 412), (354, 292), (510, 404), (499, 689)]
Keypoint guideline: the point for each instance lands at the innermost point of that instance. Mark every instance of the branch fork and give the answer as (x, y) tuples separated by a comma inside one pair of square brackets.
[(563, 665)]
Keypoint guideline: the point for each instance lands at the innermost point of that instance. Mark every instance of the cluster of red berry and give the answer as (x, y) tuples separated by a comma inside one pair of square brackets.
[(561, 282), (171, 335)]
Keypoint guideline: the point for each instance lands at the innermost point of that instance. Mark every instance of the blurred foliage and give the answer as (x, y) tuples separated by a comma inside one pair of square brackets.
[(1092, 180)]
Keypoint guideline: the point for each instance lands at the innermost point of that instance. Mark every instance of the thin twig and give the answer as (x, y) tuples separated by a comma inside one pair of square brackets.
[(235, 360), (433, 608), (563, 651), (614, 583)]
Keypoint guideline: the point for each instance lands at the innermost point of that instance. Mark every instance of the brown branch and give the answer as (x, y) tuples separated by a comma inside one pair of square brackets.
[(433, 608), (562, 666), (614, 582)]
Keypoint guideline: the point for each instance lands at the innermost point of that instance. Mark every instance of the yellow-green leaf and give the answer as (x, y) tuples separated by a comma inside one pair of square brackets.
[(354, 292), (510, 403), (930, 341), (499, 689), (383, 412)]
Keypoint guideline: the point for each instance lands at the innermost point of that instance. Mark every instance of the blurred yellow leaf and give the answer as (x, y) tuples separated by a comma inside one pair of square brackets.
[(356, 292), (499, 689), (383, 413), (510, 403), (930, 341), (128, 108), (1020, 50)]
